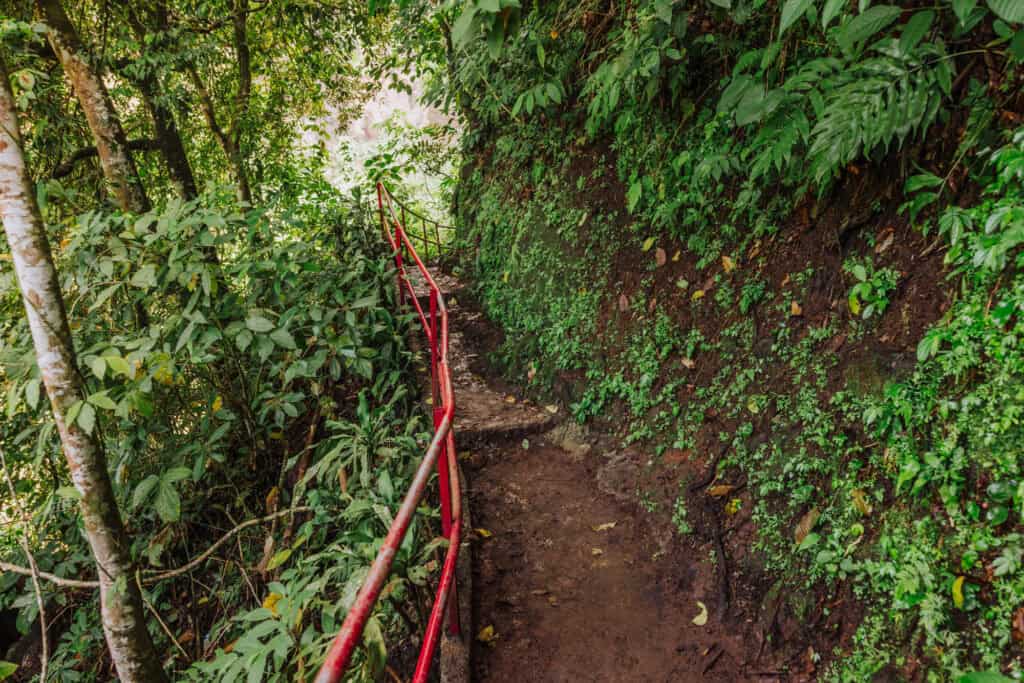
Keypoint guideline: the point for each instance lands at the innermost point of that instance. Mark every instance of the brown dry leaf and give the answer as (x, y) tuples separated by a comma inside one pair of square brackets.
[(660, 257), (487, 635), (596, 551), (623, 303), (688, 363), (272, 497), (805, 525), (187, 637), (604, 527), (720, 490), (728, 265), (343, 479), (553, 601), (886, 242), (675, 256), (510, 399), (540, 591), (702, 615), (860, 501), (1018, 624), (551, 408), (785, 281), (531, 373), (794, 309)]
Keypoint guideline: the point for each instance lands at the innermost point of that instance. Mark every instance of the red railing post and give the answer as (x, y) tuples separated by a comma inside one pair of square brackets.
[(441, 450)]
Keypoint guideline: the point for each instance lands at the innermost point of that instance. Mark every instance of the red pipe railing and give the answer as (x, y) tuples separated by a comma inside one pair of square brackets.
[(441, 453)]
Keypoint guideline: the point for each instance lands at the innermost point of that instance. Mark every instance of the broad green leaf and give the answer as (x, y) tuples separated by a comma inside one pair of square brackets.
[(463, 26), (283, 339), (963, 9), (259, 324), (144, 488), (145, 277), (1008, 10), (118, 365), (167, 503), (87, 418), (7, 670), (68, 493), (867, 24), (633, 195), (922, 180), (496, 38), (278, 559), (984, 677), (831, 11), (103, 296), (791, 11), (32, 393), (98, 367), (102, 400), (915, 30), (176, 474)]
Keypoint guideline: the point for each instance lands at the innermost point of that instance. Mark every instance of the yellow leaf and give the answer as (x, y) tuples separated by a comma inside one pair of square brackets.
[(510, 399), (554, 34), (699, 294), (702, 616), (733, 506), (604, 527), (728, 265), (648, 243), (270, 602), (596, 551), (504, 277), (794, 308), (483, 533), (487, 635), (855, 305), (720, 490), (860, 501), (551, 409), (958, 592), (675, 256)]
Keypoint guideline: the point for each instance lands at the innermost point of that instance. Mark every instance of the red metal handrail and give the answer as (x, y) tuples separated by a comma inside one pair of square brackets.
[(441, 451)]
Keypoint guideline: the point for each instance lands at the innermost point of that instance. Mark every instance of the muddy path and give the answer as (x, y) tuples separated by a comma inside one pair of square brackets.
[(571, 580)]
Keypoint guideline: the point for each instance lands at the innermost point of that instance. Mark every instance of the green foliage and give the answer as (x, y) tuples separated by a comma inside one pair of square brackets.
[(869, 296)]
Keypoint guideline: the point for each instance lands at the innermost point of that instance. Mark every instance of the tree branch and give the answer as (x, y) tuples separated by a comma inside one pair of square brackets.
[(64, 168), (155, 576)]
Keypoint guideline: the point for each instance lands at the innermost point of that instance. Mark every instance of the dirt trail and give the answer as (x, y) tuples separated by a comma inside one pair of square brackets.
[(572, 580)]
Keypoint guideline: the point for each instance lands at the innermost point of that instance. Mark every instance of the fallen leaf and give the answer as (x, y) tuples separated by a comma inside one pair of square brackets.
[(452, 302), (675, 256), (553, 601), (540, 591), (526, 444), (623, 303), (785, 281), (510, 399), (733, 506), (702, 616), (805, 525), (688, 363), (660, 257), (551, 409), (604, 527), (958, 592), (343, 479), (728, 265), (1018, 624), (794, 309), (720, 490), (860, 501), (682, 283), (886, 242), (487, 635), (271, 501), (699, 294), (648, 243), (483, 533), (596, 551)]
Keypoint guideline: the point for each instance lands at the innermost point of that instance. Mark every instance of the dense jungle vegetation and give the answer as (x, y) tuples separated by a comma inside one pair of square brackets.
[(775, 241)]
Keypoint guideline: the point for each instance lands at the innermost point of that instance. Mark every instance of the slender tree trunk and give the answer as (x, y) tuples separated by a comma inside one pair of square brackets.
[(118, 165), (167, 135), (130, 646), (226, 141)]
